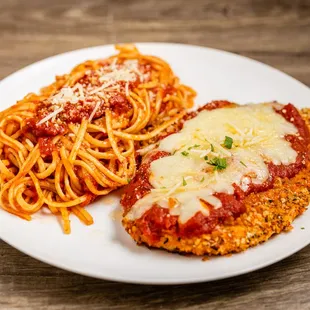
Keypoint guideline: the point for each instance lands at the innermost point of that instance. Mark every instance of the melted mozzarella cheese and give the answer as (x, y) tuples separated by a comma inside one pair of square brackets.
[(188, 176)]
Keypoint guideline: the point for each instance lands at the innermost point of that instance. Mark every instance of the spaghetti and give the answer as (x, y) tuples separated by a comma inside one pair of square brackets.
[(78, 138)]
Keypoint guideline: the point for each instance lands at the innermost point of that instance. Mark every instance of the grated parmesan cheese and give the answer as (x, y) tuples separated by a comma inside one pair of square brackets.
[(102, 87), (65, 95), (127, 89), (49, 116), (94, 111), (118, 75), (109, 76)]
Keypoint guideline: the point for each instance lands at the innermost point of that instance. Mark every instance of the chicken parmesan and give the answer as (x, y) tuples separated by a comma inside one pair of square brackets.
[(229, 178)]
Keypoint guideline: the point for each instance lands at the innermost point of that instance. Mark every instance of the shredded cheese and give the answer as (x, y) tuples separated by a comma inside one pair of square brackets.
[(49, 116), (65, 95), (109, 76), (94, 111), (118, 75), (113, 64), (79, 87), (127, 89), (102, 87)]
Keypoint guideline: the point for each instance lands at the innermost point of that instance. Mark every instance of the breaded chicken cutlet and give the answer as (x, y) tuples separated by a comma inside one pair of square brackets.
[(229, 179)]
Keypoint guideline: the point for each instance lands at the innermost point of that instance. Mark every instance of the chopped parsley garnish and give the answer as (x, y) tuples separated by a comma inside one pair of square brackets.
[(228, 142), (193, 146), (163, 187), (242, 163), (184, 182), (203, 178), (218, 163), (302, 227), (184, 153), (128, 180), (206, 157), (212, 148)]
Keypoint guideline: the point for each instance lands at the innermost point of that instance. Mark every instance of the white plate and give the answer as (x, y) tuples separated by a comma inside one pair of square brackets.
[(104, 250)]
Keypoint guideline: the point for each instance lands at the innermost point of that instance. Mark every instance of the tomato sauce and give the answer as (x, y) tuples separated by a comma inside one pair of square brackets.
[(168, 90), (157, 219), (140, 185), (119, 104), (46, 146), (216, 104), (45, 129)]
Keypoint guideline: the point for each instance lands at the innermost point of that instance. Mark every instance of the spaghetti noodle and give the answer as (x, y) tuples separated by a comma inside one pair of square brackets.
[(78, 138)]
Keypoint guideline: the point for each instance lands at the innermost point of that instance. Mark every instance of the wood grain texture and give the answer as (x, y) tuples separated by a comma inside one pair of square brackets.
[(276, 32)]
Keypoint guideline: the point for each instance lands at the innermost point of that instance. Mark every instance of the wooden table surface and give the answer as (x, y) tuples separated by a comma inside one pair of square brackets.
[(276, 32)]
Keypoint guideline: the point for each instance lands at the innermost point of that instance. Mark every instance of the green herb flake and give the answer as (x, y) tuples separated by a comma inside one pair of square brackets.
[(302, 228), (193, 146), (218, 163), (128, 181), (203, 178), (163, 187), (184, 153), (206, 157), (184, 182), (242, 163), (212, 148), (228, 142)]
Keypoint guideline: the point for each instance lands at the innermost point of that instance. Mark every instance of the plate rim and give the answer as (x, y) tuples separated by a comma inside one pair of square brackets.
[(168, 281)]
